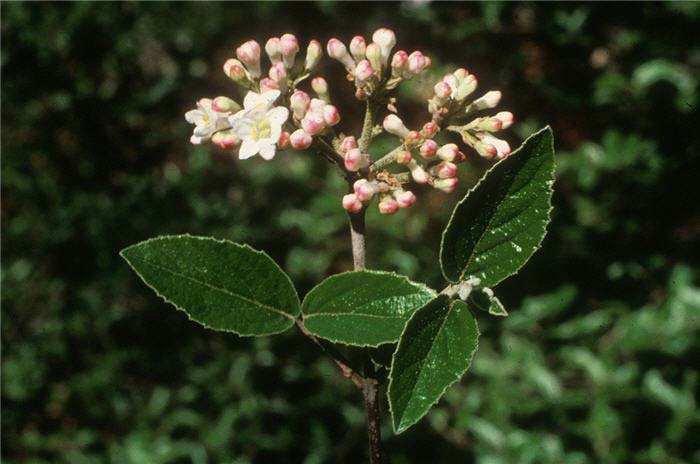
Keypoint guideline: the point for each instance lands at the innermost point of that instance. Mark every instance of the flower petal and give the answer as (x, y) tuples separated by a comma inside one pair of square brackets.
[(278, 115), (194, 116), (249, 148), (267, 151)]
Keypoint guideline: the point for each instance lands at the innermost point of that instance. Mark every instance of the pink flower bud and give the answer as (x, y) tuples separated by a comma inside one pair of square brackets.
[(404, 198), (429, 129), (452, 81), (320, 86), (313, 123), (313, 55), (502, 147), (506, 118), (387, 205), (363, 71), (300, 139), (351, 203), (225, 139), (490, 124), (386, 39), (444, 170), (357, 48), (460, 73), (428, 149), (446, 185), (364, 190), (268, 84), (417, 62), (336, 50), (418, 173), (356, 160), (279, 74), (448, 152), (249, 54), (348, 144), (317, 105), (224, 105), (442, 90), (399, 63), (234, 70), (394, 125), (488, 100), (299, 103), (403, 157), (412, 138), (485, 150), (284, 140), (272, 48), (289, 47), (331, 116), (466, 87), (374, 56)]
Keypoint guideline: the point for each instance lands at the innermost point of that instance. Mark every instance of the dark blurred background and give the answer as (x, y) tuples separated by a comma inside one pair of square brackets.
[(598, 362)]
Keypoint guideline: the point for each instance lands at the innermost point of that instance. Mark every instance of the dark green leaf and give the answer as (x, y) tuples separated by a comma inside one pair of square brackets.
[(435, 349), (487, 302), (363, 308), (220, 284), (501, 222)]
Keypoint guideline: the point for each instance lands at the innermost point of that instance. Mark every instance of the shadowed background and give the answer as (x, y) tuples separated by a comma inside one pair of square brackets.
[(598, 361)]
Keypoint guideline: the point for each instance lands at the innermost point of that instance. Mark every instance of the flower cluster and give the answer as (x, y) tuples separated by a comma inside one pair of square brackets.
[(277, 114)]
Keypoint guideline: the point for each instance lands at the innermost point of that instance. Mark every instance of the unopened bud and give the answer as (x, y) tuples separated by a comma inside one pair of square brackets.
[(488, 100), (357, 48), (336, 50), (490, 124), (460, 73), (225, 139), (446, 185), (313, 122), (387, 205), (272, 48), (348, 144), (320, 86), (268, 84), (364, 189), (300, 139), (394, 125), (363, 71), (317, 105), (386, 39), (506, 118), (284, 140), (356, 160), (289, 47), (224, 105), (428, 149), (404, 198), (299, 103), (444, 170), (412, 138), (442, 90), (403, 157), (502, 147), (429, 129), (249, 54), (448, 152), (399, 63), (234, 70), (417, 62), (351, 203), (313, 55), (374, 56), (485, 150), (418, 173), (466, 87), (331, 116), (279, 74), (452, 81)]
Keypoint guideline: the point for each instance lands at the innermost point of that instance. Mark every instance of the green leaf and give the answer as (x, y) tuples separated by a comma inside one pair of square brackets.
[(363, 308), (485, 300), (220, 284), (501, 222), (434, 351)]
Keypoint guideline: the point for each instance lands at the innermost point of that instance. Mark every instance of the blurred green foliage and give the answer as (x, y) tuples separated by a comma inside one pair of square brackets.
[(598, 361)]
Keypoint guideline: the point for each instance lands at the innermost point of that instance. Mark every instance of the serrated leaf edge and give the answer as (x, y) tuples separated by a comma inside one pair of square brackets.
[(459, 377), (366, 271), (549, 210), (291, 318)]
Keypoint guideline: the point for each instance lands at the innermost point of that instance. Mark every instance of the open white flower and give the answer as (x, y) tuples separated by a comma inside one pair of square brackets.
[(259, 125), (206, 121)]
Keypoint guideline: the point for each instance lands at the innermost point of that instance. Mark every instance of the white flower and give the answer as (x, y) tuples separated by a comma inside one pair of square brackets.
[(206, 121), (259, 125)]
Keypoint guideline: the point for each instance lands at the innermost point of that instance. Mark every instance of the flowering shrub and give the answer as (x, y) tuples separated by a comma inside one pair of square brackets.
[(432, 336)]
